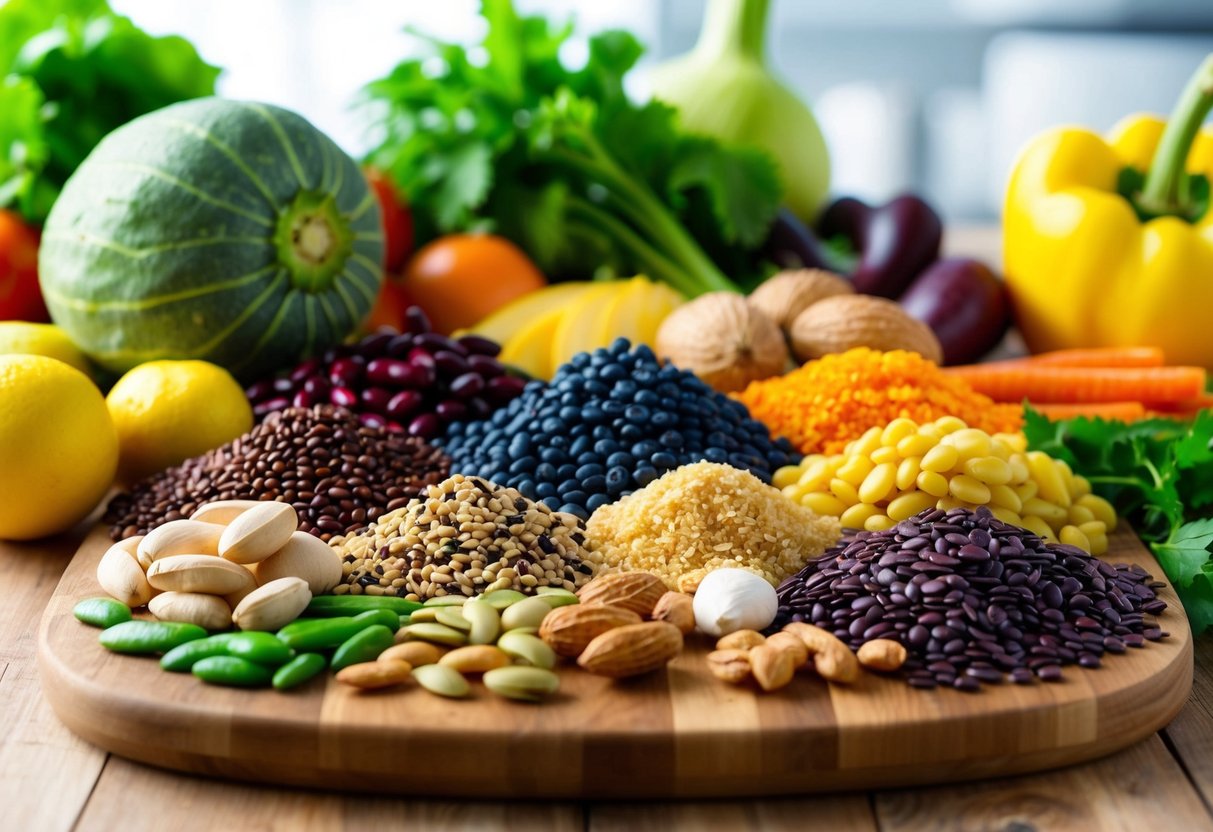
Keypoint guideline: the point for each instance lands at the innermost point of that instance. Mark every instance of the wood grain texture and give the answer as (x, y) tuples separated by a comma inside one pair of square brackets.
[(1190, 734), (780, 814), (1115, 793), (668, 734), (36, 751)]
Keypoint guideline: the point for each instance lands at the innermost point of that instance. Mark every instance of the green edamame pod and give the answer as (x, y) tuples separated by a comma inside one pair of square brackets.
[(143, 638), (298, 670), (101, 612), (327, 606), (327, 633), (363, 647), (262, 648), (182, 657), (232, 672)]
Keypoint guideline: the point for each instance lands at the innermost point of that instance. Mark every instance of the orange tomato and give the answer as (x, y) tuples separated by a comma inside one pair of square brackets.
[(461, 278)]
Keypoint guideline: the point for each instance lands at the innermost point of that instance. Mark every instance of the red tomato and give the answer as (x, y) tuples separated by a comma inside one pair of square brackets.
[(397, 221), (20, 296), (389, 306)]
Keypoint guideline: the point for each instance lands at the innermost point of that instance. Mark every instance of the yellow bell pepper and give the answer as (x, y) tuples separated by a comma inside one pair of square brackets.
[(1109, 242)]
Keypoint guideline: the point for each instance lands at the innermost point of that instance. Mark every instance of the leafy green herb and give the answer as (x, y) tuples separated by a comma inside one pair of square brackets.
[(74, 71), (505, 137), (1159, 474)]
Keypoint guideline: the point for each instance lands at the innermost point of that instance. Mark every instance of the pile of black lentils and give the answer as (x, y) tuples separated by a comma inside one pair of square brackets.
[(611, 421), (974, 600)]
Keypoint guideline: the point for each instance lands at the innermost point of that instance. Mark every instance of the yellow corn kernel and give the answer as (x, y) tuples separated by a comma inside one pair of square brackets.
[(989, 469), (877, 485), (1101, 508), (930, 432), (844, 491), (970, 442), (1071, 536), (1099, 543), (933, 483), (1077, 515), (867, 443), (907, 472), (897, 430), (1052, 514), (949, 424), (915, 445), (785, 476), (1093, 528), (796, 492), (1027, 490), (1017, 442), (940, 458), (1080, 487), (1004, 496), (854, 470), (1038, 526), (824, 504), (885, 454), (858, 514), (1019, 469), (963, 487), (907, 505), (878, 523), (1006, 515), (1049, 477), (948, 503)]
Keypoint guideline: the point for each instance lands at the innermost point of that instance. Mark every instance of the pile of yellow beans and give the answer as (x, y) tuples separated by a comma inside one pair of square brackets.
[(894, 472)]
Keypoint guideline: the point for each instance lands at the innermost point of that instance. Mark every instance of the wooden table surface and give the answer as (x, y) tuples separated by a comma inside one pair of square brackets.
[(50, 780)]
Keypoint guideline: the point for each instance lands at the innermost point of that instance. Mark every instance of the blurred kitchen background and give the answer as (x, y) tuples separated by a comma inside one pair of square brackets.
[(932, 95)]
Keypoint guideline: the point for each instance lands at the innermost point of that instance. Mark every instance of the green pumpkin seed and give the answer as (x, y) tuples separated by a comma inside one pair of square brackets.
[(101, 612), (262, 648), (484, 620), (181, 658), (436, 633), (298, 670), (144, 638), (329, 606), (528, 648), (232, 672), (557, 596), (441, 680), (363, 647), (446, 601), (425, 615), (499, 599), (528, 613), (454, 619), (529, 684)]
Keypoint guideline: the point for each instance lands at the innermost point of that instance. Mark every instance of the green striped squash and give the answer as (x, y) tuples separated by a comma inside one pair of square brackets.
[(228, 231)]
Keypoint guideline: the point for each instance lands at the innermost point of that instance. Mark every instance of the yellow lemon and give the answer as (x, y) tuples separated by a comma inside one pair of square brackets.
[(58, 448), (169, 411), (22, 338)]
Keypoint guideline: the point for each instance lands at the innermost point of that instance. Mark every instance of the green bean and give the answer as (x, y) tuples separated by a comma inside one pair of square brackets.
[(182, 657), (101, 612), (232, 672), (262, 648), (327, 606), (147, 637), (327, 633), (363, 647), (298, 670)]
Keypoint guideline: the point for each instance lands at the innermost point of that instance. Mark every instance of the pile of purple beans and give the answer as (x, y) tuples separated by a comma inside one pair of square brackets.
[(415, 382), (974, 600)]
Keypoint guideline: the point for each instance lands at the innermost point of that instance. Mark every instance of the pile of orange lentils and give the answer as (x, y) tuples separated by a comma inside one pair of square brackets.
[(828, 402)]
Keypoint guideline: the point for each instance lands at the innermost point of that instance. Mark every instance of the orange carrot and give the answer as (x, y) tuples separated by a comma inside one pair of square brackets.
[(1188, 407), (1083, 385), (1102, 357), (1114, 411)]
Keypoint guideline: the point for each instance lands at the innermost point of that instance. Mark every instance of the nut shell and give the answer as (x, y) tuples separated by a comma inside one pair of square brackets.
[(783, 296), (724, 340), (632, 650), (635, 591), (569, 630), (843, 322), (678, 609)]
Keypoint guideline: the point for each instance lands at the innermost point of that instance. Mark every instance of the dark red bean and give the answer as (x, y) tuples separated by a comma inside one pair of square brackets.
[(376, 399), (270, 405), (425, 426), (304, 371), (416, 320), (375, 345), (261, 391), (395, 373), (485, 366), (346, 372), (503, 389), (450, 364), (317, 386), (372, 420), (479, 408), (434, 342), (479, 345), (302, 399), (343, 397), (405, 403), (467, 385), (451, 410)]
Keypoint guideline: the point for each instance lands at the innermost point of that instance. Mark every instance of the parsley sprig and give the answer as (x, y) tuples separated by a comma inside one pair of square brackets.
[(1158, 473)]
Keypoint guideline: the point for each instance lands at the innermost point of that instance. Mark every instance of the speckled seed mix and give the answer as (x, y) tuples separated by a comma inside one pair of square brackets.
[(708, 516), (466, 536), (335, 471)]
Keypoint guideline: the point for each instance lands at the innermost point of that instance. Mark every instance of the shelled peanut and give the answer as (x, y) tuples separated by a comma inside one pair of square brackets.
[(891, 473), (235, 562)]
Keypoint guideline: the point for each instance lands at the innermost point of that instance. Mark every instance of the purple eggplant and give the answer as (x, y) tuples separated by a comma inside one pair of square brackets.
[(892, 243), (964, 303), (792, 245)]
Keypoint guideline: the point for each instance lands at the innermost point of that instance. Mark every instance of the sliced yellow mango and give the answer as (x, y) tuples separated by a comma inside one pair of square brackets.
[(581, 328), (530, 348), (661, 301), (624, 316), (520, 314)]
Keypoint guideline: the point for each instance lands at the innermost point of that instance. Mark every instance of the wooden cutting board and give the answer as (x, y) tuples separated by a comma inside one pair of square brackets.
[(674, 733)]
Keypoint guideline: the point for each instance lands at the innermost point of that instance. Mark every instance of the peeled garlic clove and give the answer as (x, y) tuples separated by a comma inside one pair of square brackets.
[(728, 600)]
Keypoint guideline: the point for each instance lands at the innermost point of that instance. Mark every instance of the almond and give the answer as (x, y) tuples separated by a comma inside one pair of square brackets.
[(635, 591), (678, 609), (842, 322), (730, 665), (793, 645), (632, 649), (772, 667), (882, 654), (740, 640), (568, 630)]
